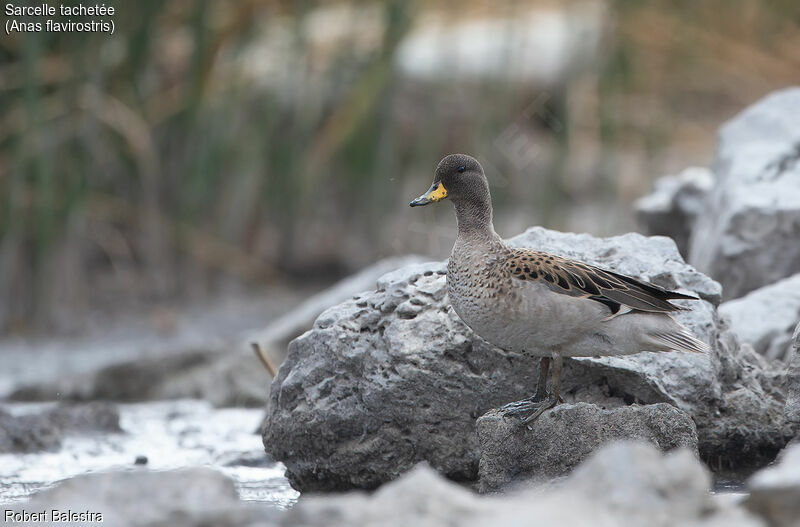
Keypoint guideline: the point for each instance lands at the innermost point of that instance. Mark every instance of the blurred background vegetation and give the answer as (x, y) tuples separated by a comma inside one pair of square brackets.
[(210, 147)]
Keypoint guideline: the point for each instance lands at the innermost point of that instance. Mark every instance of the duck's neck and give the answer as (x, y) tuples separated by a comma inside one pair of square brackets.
[(474, 218)]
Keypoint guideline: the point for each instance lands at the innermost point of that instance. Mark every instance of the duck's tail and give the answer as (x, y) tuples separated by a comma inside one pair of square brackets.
[(680, 340)]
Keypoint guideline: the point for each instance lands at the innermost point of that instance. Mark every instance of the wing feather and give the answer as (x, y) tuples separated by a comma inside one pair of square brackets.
[(578, 279)]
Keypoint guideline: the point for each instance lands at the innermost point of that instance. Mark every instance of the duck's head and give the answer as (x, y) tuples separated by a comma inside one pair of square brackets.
[(458, 177)]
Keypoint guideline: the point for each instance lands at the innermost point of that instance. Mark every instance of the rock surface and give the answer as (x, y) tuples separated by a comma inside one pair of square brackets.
[(186, 497), (393, 377), (748, 234), (796, 337), (766, 317), (563, 438), (673, 206), (34, 432), (138, 379), (622, 484), (646, 487), (775, 491), (302, 317), (792, 409)]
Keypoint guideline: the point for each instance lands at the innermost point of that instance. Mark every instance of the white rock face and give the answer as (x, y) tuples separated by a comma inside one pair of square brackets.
[(673, 206), (748, 235), (765, 318)]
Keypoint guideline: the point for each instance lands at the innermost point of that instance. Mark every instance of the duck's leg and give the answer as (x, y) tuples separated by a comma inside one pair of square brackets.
[(554, 398), (519, 408), (541, 384)]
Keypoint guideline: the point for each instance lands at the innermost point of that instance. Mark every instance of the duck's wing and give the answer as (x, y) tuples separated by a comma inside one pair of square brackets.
[(574, 278)]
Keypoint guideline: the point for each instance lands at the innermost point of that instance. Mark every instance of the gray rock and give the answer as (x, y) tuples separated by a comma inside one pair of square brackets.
[(35, 432), (638, 482), (748, 235), (228, 379), (223, 379), (186, 497), (673, 206), (236, 378), (796, 337), (622, 484), (139, 379), (792, 409), (27, 433), (420, 497), (82, 418), (370, 392), (393, 377), (765, 318), (563, 438), (302, 317), (775, 491)]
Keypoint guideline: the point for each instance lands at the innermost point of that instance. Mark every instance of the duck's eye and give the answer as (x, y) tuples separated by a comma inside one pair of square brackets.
[(461, 169)]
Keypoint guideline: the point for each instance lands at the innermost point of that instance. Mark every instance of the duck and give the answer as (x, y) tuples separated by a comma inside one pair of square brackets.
[(539, 304)]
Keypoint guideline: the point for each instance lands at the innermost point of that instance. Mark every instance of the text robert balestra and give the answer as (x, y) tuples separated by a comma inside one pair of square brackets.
[(52, 516)]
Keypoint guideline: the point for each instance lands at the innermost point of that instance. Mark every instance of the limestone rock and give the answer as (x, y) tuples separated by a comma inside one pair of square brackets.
[(748, 234), (185, 497), (561, 439), (793, 385), (673, 206), (765, 318), (643, 485), (796, 337), (302, 317), (393, 377), (383, 382), (622, 484), (43, 431), (138, 379)]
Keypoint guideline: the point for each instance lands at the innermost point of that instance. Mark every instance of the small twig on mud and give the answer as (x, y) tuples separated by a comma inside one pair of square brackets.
[(264, 358)]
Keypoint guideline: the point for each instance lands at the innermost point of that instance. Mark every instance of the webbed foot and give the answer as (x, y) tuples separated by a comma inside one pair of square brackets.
[(528, 410), (520, 408), (551, 402)]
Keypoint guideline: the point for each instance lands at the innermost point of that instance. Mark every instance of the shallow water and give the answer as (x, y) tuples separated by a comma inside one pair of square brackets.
[(171, 434), (176, 434)]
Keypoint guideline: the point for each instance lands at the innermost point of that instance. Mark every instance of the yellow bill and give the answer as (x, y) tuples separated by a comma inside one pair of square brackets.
[(437, 192)]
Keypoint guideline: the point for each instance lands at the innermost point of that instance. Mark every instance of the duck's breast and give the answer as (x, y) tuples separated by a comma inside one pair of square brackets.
[(518, 315)]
